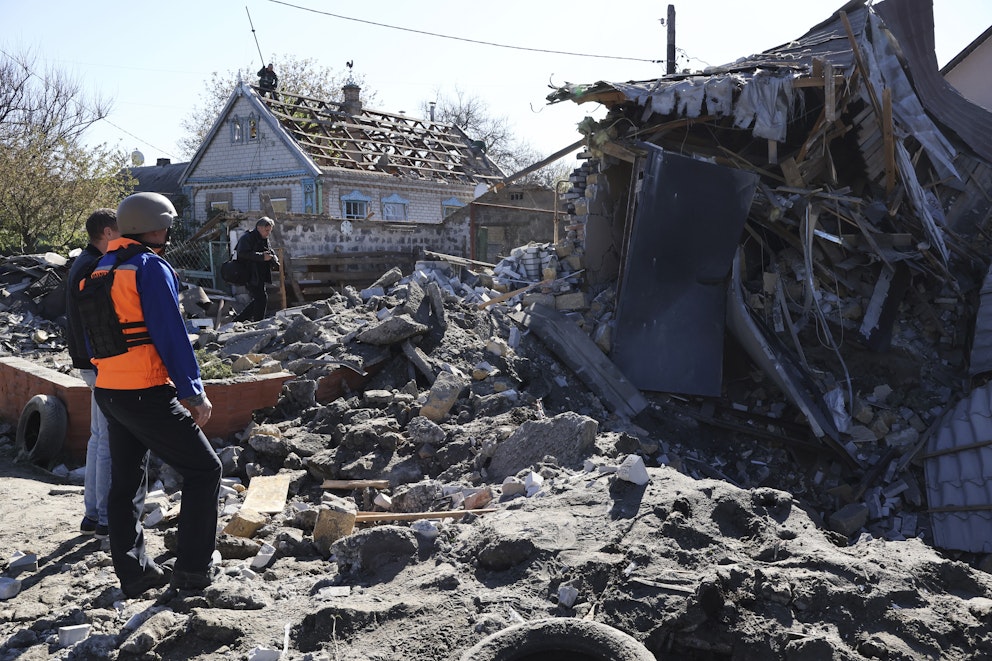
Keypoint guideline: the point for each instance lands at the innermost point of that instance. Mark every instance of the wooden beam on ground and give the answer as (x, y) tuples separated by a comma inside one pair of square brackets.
[(366, 517), (355, 484), (581, 354)]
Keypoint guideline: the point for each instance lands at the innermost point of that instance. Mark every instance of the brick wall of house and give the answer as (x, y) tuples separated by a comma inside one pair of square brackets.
[(304, 237)]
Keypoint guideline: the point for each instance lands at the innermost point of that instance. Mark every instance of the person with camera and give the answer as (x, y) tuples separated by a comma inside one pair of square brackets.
[(253, 249)]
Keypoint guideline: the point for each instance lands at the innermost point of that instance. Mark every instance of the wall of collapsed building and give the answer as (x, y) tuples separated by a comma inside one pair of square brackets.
[(864, 250)]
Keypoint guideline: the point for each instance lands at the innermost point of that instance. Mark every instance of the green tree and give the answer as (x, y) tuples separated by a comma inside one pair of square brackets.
[(303, 77), (49, 180), (511, 153)]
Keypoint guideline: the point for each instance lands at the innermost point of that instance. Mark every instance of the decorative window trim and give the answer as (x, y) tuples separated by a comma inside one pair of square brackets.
[(395, 208), (450, 206), (358, 203)]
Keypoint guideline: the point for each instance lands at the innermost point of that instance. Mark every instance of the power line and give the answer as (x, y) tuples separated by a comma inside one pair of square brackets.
[(471, 41), (84, 105)]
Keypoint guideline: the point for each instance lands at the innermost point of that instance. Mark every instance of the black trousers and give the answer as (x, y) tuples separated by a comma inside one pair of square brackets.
[(153, 420), (255, 310)]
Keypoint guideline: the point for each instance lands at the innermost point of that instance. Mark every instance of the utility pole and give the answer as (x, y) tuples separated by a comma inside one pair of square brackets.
[(670, 59)]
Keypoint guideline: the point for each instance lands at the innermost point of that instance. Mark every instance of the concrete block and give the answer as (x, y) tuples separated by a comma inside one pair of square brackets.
[(9, 588), (245, 523), (72, 635), (571, 301), (335, 519), (443, 395), (849, 519), (21, 561), (479, 499), (632, 469)]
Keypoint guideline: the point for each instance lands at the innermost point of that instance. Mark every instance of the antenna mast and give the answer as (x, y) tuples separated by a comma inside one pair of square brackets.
[(253, 35)]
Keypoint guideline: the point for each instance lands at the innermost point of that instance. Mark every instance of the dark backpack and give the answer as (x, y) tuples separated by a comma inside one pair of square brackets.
[(104, 332), (234, 272)]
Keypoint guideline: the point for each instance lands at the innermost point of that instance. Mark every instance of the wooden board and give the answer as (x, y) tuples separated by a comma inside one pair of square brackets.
[(267, 493), (362, 517), (355, 484), (581, 354)]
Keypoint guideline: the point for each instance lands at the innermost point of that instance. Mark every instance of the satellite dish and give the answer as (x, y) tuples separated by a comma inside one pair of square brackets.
[(137, 158)]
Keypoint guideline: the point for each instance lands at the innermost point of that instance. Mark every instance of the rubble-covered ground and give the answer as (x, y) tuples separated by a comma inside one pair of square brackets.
[(725, 545)]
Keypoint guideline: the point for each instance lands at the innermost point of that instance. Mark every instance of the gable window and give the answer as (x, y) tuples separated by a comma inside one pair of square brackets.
[(237, 130), (394, 207), (450, 206), (355, 206), (253, 127), (516, 196)]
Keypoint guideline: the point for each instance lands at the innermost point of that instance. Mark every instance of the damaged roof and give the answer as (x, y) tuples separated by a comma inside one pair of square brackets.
[(377, 141), (727, 89), (870, 216)]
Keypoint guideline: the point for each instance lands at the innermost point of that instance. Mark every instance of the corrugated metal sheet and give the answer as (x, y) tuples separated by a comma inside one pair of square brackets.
[(911, 23), (958, 469)]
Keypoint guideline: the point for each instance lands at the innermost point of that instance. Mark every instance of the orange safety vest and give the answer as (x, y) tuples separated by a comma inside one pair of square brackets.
[(141, 366)]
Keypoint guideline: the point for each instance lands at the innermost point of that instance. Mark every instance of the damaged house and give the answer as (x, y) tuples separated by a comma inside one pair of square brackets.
[(340, 179), (820, 208)]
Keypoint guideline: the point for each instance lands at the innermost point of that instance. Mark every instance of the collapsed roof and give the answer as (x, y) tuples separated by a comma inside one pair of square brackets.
[(346, 135), (865, 230)]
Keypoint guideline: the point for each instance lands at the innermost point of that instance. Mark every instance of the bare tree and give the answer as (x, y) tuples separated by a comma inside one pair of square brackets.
[(49, 180), (512, 154), (303, 77)]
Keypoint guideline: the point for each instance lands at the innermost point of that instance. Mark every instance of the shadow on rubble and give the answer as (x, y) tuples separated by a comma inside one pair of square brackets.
[(68, 552), (627, 498)]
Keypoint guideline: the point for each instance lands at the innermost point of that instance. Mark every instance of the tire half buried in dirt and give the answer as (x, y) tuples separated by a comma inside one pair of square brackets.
[(558, 639), (41, 429)]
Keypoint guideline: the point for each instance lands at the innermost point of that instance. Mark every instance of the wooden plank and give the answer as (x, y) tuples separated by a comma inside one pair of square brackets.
[(355, 484), (291, 277), (581, 354), (889, 142), (267, 493), (830, 92), (515, 292), (365, 517)]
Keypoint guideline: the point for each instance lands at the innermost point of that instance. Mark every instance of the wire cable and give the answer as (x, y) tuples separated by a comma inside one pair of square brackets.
[(471, 41)]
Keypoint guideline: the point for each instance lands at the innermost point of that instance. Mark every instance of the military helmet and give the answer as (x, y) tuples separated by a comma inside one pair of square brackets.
[(145, 212)]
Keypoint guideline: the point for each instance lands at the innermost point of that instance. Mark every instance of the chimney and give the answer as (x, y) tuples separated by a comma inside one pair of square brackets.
[(432, 104), (163, 161), (352, 104)]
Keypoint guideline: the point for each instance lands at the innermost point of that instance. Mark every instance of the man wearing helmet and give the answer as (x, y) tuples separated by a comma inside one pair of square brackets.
[(141, 389)]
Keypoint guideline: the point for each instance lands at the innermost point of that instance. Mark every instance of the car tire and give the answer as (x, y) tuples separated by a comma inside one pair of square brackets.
[(41, 429), (559, 639)]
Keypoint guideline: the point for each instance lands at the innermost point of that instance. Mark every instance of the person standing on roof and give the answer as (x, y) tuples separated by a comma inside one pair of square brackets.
[(268, 81), (253, 249), (101, 227), (141, 389)]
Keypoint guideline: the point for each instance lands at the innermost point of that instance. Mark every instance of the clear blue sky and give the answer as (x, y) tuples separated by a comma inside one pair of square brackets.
[(153, 58)]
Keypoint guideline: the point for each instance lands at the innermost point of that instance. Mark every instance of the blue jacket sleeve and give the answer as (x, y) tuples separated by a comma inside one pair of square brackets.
[(158, 287)]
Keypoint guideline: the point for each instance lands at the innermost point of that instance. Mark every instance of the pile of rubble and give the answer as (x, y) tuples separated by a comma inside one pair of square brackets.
[(474, 482)]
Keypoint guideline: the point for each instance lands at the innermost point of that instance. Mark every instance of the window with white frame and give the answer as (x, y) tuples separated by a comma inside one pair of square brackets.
[(450, 206), (394, 207), (355, 206)]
